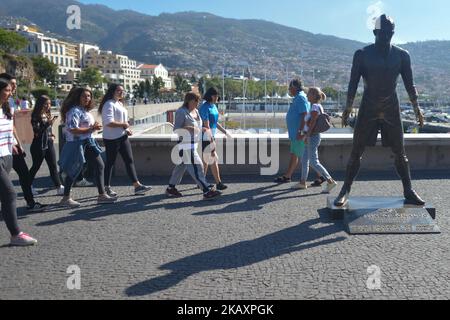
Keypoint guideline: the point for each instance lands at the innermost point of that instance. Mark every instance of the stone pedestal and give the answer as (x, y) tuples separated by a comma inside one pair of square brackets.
[(384, 215)]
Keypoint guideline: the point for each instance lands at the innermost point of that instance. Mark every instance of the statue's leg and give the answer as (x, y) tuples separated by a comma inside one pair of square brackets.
[(353, 167), (403, 169)]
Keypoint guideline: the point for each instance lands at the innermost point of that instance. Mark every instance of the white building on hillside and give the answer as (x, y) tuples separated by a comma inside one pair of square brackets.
[(115, 68), (64, 54), (83, 48), (150, 70)]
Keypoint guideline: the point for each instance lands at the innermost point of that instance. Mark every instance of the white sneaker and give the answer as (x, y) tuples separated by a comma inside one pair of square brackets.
[(23, 240), (69, 203), (105, 199), (83, 183), (329, 187), (60, 191), (110, 192), (300, 186)]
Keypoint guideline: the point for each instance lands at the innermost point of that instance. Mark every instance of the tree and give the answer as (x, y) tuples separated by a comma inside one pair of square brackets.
[(92, 77), (185, 86), (45, 69), (331, 93), (201, 85), (11, 41), (148, 88), (182, 85), (178, 81), (157, 84), (40, 92), (141, 91), (136, 90)]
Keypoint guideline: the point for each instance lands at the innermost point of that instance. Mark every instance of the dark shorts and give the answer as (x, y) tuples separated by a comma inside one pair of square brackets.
[(391, 135)]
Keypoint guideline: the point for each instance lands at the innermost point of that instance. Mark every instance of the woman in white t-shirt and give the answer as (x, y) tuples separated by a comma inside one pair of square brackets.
[(311, 154), (116, 131), (8, 194)]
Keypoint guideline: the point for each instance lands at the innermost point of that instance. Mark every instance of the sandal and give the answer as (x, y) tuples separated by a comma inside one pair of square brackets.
[(282, 179)]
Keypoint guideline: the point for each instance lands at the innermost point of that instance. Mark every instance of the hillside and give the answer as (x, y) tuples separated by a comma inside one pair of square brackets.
[(207, 43)]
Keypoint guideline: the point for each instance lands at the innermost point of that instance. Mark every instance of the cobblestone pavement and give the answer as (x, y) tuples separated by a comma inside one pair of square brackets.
[(259, 241)]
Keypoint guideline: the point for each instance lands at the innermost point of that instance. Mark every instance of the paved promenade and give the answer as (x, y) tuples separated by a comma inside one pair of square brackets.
[(259, 241)]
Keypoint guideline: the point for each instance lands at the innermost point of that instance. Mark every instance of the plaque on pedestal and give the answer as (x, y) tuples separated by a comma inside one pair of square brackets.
[(380, 215)]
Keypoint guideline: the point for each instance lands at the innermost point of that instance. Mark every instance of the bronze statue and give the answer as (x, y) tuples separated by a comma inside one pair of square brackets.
[(380, 65)]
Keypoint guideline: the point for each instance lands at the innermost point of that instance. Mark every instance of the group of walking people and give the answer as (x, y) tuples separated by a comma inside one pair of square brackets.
[(302, 119), (195, 122), (80, 148)]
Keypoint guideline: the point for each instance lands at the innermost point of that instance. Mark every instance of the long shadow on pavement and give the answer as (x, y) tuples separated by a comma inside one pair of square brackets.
[(242, 254), (154, 202), (255, 200)]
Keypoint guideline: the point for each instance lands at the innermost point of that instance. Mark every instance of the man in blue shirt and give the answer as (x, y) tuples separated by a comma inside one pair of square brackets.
[(295, 120)]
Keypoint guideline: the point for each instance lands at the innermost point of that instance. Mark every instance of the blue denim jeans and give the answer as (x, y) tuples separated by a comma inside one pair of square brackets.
[(311, 158)]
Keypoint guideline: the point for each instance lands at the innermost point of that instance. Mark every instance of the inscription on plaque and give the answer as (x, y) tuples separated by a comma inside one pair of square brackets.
[(390, 221)]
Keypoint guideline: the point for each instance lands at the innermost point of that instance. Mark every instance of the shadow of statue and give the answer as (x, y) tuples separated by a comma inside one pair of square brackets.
[(242, 254)]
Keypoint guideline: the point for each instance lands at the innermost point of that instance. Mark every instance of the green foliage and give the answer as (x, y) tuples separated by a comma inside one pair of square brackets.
[(40, 92), (182, 85), (98, 94), (141, 90), (331, 93), (147, 89), (11, 41), (45, 69), (157, 85), (92, 77)]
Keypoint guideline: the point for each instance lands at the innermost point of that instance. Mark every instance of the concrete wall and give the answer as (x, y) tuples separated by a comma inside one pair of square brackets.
[(426, 152), (143, 111), (22, 119)]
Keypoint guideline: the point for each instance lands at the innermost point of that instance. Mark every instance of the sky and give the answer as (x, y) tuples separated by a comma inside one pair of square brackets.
[(416, 20)]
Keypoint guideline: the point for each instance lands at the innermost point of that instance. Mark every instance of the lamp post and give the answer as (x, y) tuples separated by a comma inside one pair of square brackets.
[(301, 64), (265, 87), (56, 85), (314, 76), (223, 97)]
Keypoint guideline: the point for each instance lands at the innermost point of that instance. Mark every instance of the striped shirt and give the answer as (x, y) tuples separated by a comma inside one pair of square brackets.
[(6, 135), (78, 118)]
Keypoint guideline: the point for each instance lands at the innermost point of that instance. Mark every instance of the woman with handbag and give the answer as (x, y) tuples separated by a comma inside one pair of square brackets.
[(316, 123), (188, 126)]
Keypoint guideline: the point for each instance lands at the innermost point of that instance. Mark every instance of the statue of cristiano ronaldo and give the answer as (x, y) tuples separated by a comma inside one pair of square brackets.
[(380, 66)]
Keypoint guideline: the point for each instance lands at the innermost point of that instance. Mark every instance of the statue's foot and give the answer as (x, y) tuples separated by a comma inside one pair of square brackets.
[(412, 198), (342, 198)]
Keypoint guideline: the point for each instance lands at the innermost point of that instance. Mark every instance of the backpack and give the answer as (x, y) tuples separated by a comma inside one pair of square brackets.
[(323, 123)]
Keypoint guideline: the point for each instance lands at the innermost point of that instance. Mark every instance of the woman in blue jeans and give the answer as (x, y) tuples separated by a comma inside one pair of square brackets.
[(311, 154)]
